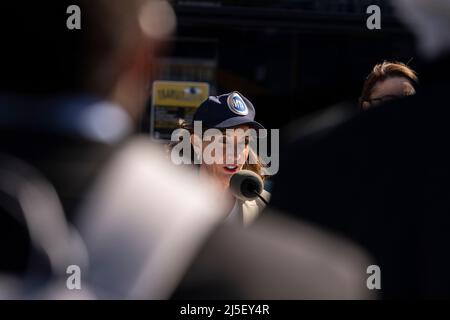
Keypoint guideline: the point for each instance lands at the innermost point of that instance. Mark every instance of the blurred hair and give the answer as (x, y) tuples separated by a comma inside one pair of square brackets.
[(383, 71), (429, 20), (256, 168), (41, 56)]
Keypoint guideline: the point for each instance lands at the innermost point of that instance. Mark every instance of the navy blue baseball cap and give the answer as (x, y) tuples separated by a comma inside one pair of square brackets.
[(227, 111)]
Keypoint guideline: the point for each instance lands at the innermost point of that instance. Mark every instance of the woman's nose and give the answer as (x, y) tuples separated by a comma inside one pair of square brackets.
[(234, 154)]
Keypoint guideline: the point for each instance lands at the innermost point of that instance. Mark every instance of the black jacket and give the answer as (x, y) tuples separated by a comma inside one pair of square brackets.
[(382, 179), (69, 161)]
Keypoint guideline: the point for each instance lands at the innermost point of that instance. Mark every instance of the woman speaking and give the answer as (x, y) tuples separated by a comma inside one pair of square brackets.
[(223, 147)]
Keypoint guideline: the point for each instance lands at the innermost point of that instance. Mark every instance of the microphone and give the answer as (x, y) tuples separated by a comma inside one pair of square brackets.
[(247, 185)]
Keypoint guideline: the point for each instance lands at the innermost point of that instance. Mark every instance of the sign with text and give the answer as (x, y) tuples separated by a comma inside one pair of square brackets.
[(172, 102)]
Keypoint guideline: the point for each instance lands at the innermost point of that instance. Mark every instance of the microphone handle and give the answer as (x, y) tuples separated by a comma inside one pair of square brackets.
[(261, 197)]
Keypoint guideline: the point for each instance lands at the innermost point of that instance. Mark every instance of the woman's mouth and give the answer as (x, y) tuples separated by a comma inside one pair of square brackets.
[(231, 169)]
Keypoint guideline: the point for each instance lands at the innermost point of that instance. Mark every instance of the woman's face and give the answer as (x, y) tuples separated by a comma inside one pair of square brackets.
[(234, 144), (389, 89)]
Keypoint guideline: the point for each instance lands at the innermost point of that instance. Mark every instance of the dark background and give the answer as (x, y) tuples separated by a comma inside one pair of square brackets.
[(290, 58)]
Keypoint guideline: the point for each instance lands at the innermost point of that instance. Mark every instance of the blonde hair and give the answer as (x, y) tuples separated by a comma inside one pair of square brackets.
[(383, 71)]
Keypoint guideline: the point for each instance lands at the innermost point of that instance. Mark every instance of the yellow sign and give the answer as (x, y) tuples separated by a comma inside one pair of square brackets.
[(179, 93), (172, 102)]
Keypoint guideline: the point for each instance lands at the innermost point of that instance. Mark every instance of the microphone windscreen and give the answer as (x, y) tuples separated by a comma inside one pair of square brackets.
[(246, 184)]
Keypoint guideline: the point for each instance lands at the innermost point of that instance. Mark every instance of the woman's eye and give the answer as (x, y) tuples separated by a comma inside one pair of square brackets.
[(244, 141), (220, 140), (231, 141)]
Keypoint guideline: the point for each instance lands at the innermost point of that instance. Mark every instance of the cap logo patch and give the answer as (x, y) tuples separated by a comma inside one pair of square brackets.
[(237, 104)]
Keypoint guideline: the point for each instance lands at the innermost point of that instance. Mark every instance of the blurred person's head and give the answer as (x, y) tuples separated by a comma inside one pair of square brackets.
[(387, 81), (110, 57), (430, 22), (226, 122)]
